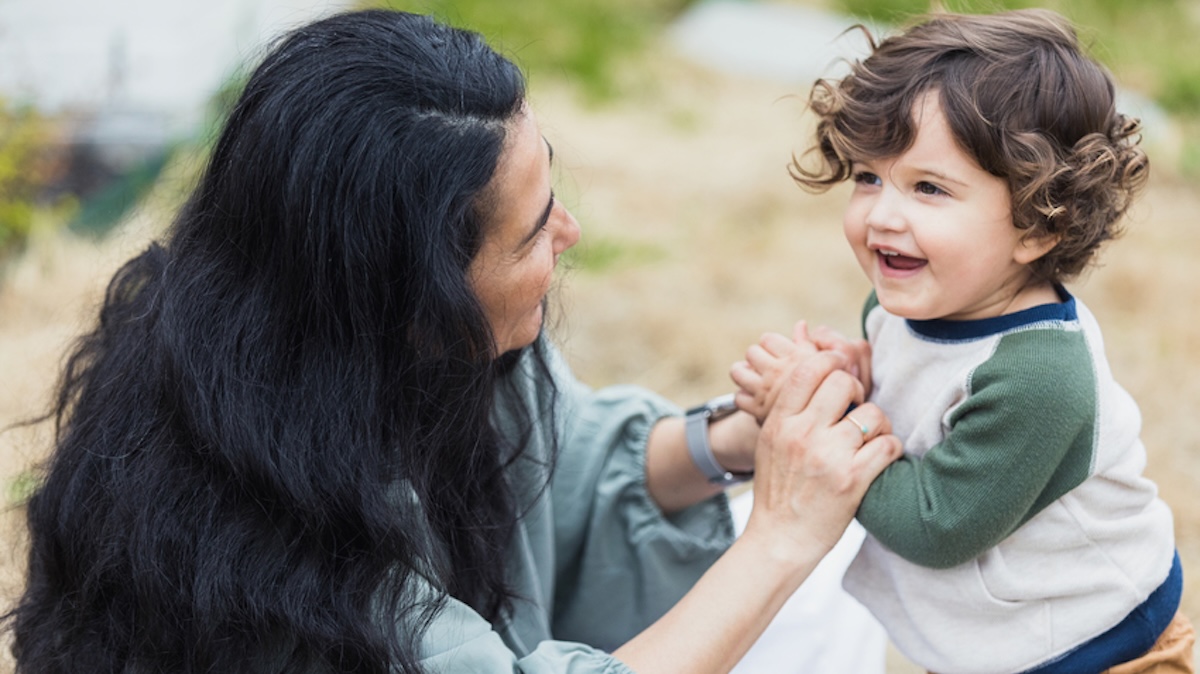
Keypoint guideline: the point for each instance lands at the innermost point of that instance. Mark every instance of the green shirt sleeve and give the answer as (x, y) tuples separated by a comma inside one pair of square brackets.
[(1021, 439), (871, 302)]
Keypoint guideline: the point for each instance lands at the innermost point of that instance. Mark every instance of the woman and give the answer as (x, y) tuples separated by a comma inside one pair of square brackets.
[(316, 428)]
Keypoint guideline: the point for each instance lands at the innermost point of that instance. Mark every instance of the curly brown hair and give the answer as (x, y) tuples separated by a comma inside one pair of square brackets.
[(1021, 98)]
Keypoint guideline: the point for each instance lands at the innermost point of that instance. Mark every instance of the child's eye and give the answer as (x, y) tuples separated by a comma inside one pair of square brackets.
[(929, 189), (866, 178)]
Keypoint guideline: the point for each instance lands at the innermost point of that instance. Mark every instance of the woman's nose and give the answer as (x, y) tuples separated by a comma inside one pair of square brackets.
[(568, 230)]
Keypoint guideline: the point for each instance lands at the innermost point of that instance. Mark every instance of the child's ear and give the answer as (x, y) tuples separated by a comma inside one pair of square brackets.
[(1032, 247)]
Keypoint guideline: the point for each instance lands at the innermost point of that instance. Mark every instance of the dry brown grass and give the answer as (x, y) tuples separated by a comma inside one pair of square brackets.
[(690, 180)]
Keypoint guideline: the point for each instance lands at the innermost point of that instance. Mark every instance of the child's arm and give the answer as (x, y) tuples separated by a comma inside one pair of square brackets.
[(1023, 438), (1020, 441)]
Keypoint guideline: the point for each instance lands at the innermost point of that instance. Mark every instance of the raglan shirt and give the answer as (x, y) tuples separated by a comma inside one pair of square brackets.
[(594, 560), (1018, 524)]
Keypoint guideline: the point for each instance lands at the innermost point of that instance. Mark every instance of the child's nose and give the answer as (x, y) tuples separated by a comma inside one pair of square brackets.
[(885, 212)]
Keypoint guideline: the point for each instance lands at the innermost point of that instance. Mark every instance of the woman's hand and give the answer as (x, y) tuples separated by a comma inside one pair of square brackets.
[(856, 351), (814, 463), (768, 363), (761, 375), (812, 468)]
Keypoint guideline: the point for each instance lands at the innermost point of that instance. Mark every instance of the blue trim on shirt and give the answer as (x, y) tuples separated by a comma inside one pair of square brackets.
[(944, 330), (1130, 639)]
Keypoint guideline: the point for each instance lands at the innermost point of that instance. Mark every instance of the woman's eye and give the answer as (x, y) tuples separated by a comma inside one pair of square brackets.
[(866, 178), (929, 189), (549, 212)]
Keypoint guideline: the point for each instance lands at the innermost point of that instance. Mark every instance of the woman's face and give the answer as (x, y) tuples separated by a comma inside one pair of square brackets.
[(526, 231)]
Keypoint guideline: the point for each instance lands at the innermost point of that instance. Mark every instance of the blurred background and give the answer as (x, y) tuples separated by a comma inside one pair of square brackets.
[(672, 121)]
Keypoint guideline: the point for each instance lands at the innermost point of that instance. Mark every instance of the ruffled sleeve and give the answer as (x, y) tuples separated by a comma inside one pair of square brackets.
[(459, 640), (620, 562), (594, 561)]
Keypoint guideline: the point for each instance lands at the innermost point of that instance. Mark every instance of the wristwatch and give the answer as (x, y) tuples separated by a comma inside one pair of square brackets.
[(696, 431)]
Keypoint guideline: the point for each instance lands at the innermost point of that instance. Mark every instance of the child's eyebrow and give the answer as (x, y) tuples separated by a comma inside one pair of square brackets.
[(942, 176)]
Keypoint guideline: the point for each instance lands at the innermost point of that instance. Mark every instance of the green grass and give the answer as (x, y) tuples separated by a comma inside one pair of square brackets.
[(21, 487), (26, 166), (600, 254), (1189, 158), (582, 41), (1150, 45)]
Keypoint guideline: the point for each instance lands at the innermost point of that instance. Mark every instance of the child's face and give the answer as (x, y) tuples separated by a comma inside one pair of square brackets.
[(934, 232)]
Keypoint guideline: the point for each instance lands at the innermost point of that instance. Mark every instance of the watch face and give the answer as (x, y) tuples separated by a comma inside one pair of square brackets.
[(721, 407)]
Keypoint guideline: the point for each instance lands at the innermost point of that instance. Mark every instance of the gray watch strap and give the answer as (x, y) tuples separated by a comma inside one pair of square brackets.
[(696, 433)]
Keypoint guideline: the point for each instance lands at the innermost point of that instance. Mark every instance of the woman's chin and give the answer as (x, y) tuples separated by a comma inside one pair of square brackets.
[(527, 334)]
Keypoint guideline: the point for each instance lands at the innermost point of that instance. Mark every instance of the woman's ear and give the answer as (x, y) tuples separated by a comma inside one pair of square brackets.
[(1031, 247)]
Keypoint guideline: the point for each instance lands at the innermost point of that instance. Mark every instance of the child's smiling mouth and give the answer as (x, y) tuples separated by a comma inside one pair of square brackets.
[(895, 261)]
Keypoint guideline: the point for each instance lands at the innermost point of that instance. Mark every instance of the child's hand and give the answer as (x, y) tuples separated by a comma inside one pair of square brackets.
[(856, 351), (768, 364)]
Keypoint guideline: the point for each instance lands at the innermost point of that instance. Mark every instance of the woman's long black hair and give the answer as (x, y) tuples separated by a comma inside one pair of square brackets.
[(241, 438)]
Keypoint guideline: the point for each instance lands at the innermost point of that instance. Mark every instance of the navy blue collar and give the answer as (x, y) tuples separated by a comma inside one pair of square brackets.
[(946, 330)]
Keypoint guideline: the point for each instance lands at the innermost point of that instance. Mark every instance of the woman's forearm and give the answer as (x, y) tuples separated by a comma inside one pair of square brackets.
[(672, 478), (717, 622), (811, 470)]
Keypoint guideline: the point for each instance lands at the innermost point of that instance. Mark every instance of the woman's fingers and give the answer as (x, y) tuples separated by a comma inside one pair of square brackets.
[(835, 392), (804, 381), (857, 351), (869, 421), (813, 462), (879, 447), (875, 456)]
